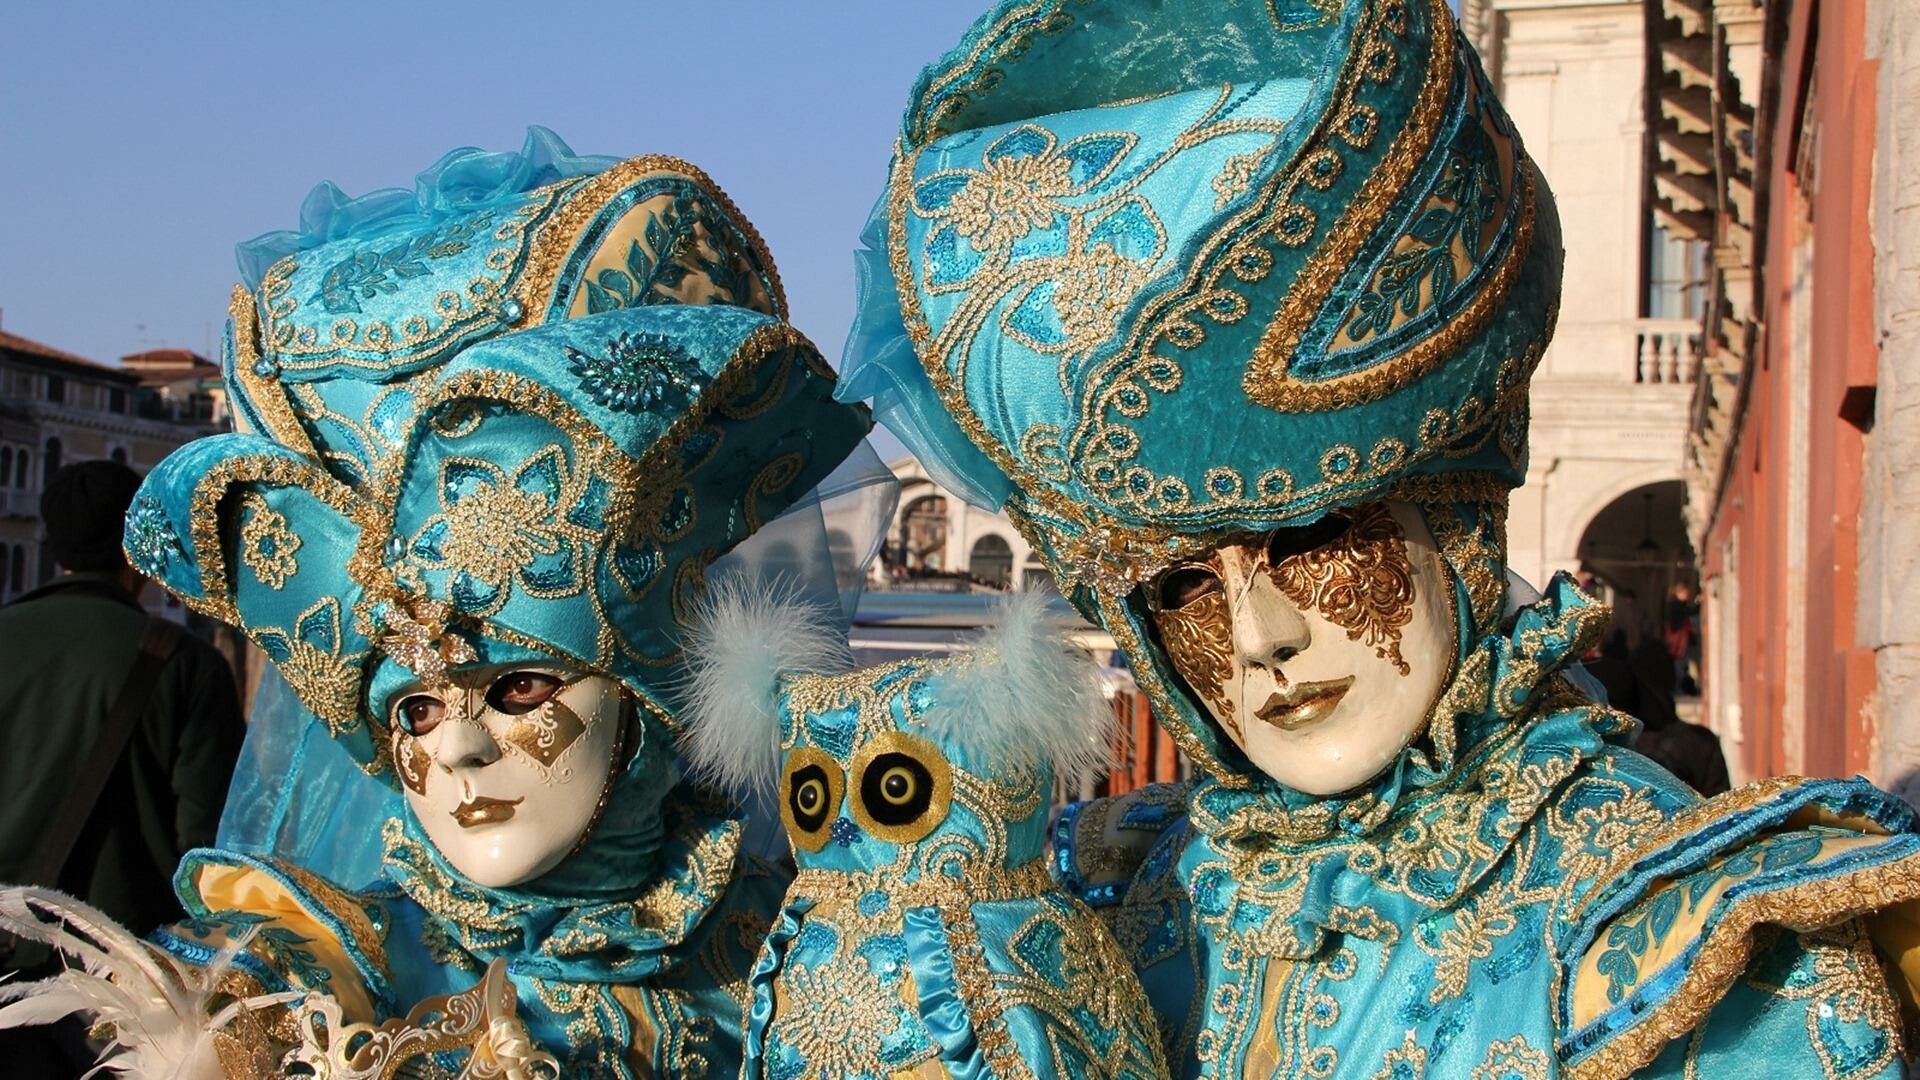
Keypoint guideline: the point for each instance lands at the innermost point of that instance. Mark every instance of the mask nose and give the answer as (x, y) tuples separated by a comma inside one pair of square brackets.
[(465, 744), (1267, 629)]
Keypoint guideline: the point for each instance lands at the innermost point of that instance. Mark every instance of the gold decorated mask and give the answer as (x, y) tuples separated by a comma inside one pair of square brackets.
[(1318, 649)]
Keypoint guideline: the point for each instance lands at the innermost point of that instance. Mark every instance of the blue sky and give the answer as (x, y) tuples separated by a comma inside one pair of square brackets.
[(139, 142)]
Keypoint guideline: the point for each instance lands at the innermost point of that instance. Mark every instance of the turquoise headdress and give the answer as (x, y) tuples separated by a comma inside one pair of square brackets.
[(1146, 274), (520, 410)]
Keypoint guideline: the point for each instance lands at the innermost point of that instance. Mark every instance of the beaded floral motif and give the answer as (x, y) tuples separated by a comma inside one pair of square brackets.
[(151, 542), (635, 372), (267, 546)]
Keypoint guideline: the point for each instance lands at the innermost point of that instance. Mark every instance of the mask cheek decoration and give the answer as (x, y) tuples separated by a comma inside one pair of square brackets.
[(545, 734), (1199, 641), (411, 762), (1361, 583)]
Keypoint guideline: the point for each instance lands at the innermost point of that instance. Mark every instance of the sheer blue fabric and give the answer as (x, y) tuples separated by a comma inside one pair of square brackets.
[(463, 180), (297, 795), (879, 365)]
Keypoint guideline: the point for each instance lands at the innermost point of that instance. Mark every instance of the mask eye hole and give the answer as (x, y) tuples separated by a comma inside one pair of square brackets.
[(1300, 539), (419, 714), (1182, 585), (810, 790), (902, 787), (519, 692)]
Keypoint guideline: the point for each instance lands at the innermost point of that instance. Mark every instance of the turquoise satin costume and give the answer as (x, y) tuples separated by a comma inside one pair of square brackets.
[(516, 413), (1150, 277), (922, 935)]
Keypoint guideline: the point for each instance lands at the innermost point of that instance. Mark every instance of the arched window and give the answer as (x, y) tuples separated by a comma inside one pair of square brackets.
[(991, 561), (20, 469), (6, 465), (923, 534), (119, 455), (50, 464)]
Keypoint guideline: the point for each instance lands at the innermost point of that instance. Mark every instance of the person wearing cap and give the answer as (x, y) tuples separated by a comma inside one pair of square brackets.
[(1232, 308), (495, 433), (144, 719)]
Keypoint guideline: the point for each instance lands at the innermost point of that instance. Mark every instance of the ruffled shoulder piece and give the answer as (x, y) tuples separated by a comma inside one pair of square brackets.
[(1677, 919), (301, 931), (1100, 845)]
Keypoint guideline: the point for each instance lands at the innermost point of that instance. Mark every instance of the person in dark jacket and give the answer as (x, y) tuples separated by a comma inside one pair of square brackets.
[(1688, 751), (66, 651)]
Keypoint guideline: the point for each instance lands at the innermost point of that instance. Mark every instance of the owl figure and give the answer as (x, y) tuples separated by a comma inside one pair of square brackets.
[(923, 934)]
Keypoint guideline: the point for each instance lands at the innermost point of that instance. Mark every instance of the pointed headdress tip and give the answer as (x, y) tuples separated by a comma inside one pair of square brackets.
[(745, 637), (1031, 694)]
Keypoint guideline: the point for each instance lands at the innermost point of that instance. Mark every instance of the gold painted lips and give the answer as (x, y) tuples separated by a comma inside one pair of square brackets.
[(480, 810), (1303, 704)]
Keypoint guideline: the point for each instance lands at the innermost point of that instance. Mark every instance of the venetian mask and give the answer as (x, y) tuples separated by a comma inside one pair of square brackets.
[(507, 767), (1320, 649)]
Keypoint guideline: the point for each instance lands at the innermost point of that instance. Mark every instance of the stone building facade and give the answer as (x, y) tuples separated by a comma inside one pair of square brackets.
[(1603, 491), (57, 408), (1789, 144)]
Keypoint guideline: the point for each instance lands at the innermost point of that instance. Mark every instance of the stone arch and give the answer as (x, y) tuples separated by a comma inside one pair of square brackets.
[(1567, 526), (1637, 546), (991, 560)]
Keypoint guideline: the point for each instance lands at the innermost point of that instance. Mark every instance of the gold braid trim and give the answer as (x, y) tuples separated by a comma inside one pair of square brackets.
[(976, 991), (1728, 947), (268, 395), (980, 885), (556, 237), (1266, 381)]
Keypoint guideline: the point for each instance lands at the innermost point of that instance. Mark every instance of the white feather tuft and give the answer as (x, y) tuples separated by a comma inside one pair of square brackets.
[(160, 1009), (1030, 695), (744, 639)]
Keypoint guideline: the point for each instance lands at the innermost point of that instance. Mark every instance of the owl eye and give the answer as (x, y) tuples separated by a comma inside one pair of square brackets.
[(896, 789), (809, 794), (903, 785)]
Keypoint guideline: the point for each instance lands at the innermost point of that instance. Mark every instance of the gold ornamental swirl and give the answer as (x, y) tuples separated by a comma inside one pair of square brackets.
[(1199, 642), (1361, 582)]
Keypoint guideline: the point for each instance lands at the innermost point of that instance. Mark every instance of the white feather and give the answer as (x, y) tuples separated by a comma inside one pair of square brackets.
[(1029, 695), (160, 1009), (744, 639)]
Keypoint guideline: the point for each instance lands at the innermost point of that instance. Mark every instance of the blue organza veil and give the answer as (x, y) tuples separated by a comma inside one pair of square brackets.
[(297, 795)]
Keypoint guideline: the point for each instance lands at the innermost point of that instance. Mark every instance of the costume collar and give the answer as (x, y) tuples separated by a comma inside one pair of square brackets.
[(619, 932)]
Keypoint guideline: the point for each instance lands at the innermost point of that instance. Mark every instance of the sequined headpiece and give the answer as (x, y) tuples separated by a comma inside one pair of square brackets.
[(1148, 274), (505, 422)]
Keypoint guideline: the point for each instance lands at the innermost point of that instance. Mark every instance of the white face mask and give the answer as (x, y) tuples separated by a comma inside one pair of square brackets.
[(507, 768), (1319, 650)]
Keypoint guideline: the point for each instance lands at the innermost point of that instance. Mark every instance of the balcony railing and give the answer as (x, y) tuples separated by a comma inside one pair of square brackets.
[(19, 504), (1666, 350)]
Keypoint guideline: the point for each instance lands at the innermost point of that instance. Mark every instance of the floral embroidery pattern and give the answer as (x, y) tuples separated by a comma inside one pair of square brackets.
[(267, 545), (367, 274), (310, 660), (533, 528), (150, 538)]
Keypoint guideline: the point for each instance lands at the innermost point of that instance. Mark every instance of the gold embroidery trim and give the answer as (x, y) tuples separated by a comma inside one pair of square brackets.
[(980, 884), (556, 237), (1266, 380), (976, 988), (1728, 946), (268, 396)]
